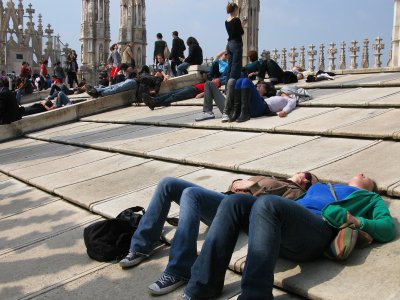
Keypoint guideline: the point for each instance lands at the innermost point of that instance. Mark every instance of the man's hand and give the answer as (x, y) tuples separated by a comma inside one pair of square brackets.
[(281, 114), (241, 185), (198, 96), (353, 220)]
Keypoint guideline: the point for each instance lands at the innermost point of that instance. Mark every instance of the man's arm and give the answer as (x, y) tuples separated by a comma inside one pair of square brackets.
[(220, 54)]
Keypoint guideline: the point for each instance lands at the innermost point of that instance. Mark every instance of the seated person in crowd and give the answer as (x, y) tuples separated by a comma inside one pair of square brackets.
[(121, 75), (59, 71), (128, 84), (58, 86), (148, 84), (189, 92), (196, 203), (248, 101), (218, 67), (25, 70), (252, 69), (212, 93), (195, 56), (25, 87), (295, 230), (164, 67)]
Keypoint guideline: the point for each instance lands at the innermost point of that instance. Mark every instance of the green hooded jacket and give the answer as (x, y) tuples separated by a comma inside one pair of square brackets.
[(369, 208)]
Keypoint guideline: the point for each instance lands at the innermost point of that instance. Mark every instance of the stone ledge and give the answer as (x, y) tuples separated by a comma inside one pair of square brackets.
[(64, 115), (35, 96), (176, 83)]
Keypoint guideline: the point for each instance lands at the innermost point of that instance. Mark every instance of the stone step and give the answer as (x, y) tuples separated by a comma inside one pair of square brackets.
[(45, 241), (380, 123), (284, 155)]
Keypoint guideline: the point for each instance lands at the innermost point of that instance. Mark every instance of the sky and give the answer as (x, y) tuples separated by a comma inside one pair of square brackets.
[(283, 23)]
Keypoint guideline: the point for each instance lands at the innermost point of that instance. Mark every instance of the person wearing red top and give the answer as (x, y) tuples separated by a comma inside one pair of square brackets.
[(43, 72), (189, 92), (25, 69)]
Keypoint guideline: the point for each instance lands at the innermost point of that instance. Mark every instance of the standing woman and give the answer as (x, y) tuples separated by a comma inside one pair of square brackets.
[(114, 61), (234, 27)]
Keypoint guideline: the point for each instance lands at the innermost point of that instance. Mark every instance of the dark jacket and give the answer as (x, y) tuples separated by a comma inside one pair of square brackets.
[(178, 47), (195, 56), (159, 47), (9, 109)]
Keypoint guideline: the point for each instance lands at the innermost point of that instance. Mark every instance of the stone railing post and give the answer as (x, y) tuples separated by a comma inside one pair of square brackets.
[(311, 57), (283, 62), (321, 62), (265, 55), (354, 49), (342, 57), (292, 55), (331, 56), (378, 47), (302, 59), (365, 56), (275, 55)]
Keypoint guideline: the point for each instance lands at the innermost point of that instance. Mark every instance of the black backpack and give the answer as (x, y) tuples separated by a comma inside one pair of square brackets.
[(109, 240)]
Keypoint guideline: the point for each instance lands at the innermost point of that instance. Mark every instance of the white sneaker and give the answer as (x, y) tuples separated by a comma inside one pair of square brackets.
[(131, 260), (205, 116), (164, 285), (225, 118)]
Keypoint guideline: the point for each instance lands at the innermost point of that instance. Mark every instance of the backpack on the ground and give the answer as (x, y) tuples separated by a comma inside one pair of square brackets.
[(109, 240)]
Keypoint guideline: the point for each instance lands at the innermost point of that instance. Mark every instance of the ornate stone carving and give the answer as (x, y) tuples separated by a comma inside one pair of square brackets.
[(342, 58), (354, 49), (29, 39), (378, 47), (365, 56), (331, 56), (302, 59), (292, 55), (311, 57), (275, 55), (321, 62), (283, 62)]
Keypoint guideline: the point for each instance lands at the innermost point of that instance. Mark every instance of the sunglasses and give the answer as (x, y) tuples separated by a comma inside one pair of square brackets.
[(309, 178)]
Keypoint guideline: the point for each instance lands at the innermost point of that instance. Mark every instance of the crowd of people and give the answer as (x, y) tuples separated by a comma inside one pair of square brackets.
[(282, 217), (14, 88)]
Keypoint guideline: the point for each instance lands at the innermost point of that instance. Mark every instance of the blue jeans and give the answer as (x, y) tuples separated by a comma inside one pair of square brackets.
[(185, 93), (275, 225), (258, 107), (128, 84), (196, 203), (62, 99), (182, 68), (235, 56), (19, 94)]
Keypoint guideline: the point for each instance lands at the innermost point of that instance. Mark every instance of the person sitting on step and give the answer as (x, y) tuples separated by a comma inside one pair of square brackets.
[(189, 92), (128, 84)]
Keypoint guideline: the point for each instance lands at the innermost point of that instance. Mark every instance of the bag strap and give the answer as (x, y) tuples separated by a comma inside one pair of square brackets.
[(333, 192), (337, 200)]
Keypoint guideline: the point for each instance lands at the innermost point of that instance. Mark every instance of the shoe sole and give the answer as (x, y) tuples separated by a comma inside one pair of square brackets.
[(199, 120), (166, 290)]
